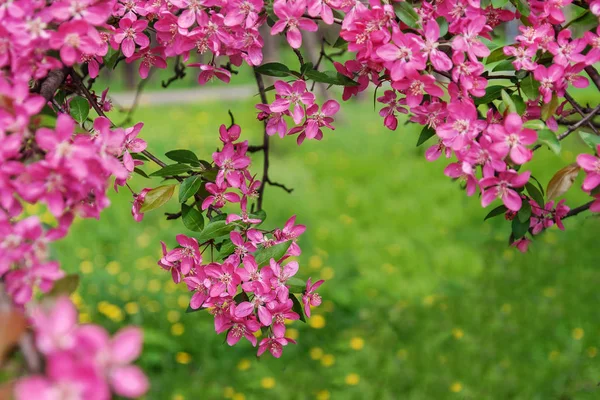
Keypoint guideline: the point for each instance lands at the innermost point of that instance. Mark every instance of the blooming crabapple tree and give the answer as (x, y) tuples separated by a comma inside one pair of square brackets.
[(488, 107)]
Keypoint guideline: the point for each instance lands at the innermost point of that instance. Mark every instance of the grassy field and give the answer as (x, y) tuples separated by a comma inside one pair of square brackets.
[(423, 299)]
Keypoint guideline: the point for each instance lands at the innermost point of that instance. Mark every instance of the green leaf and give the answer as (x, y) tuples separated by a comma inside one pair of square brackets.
[(331, 77), (591, 140), (296, 285), (215, 229), (241, 297), (407, 14), (548, 109), (110, 59), (172, 170), (157, 197), (305, 67), (426, 134), (274, 69), (192, 218), (519, 103), (189, 187), (525, 212), (141, 173), (297, 307), (263, 255), (500, 210), (548, 137), (182, 156), (508, 102), (519, 228), (443, 24), (138, 156), (505, 65), (260, 214), (535, 124), (535, 194), (530, 87), (210, 174), (522, 6), (491, 93), (496, 55), (191, 310), (340, 43), (499, 3), (65, 286), (79, 108), (226, 249)]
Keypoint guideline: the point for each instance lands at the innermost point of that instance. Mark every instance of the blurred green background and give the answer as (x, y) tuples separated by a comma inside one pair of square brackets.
[(423, 300)]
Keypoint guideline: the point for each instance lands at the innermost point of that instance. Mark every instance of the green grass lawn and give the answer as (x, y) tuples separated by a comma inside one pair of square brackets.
[(423, 299)]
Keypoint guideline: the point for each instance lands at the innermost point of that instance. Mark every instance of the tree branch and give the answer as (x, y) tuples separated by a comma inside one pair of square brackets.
[(265, 146), (574, 127), (280, 185), (577, 108), (51, 83)]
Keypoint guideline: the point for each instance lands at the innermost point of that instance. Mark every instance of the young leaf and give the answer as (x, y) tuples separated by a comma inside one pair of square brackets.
[(505, 65), (491, 93), (548, 109), (522, 6), (296, 285), (548, 137), (499, 3), (535, 194), (65, 286), (562, 181), (443, 24), (157, 197), (426, 133), (297, 307), (192, 218), (141, 173), (263, 255), (172, 170), (591, 140), (525, 212), (535, 124), (79, 108), (191, 310), (496, 211), (530, 87), (519, 228), (227, 248), (189, 187), (273, 69), (215, 229), (407, 14), (510, 104), (496, 55), (182, 156)]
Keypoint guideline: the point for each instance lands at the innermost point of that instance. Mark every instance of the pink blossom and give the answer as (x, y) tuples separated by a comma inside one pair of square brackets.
[(75, 38), (591, 166), (294, 95), (310, 298), (208, 72), (512, 137), (502, 187), (130, 33), (290, 17)]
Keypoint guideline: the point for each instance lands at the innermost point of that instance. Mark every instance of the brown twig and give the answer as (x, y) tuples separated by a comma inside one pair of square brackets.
[(574, 127), (577, 108), (265, 146), (49, 85)]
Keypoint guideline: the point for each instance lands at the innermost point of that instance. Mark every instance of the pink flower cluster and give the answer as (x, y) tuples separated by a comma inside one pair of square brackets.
[(297, 102), (244, 295), (68, 172), (82, 361)]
